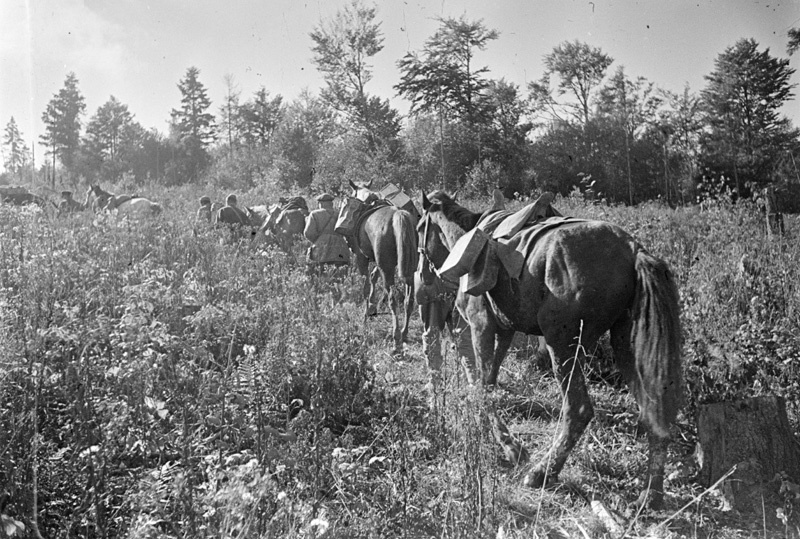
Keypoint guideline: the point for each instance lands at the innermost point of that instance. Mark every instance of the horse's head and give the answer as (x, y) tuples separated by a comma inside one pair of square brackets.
[(434, 244), (363, 192)]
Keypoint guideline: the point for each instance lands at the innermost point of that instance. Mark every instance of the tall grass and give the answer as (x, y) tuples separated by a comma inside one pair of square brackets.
[(158, 381)]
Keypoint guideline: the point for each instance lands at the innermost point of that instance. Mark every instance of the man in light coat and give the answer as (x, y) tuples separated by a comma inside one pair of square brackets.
[(329, 249)]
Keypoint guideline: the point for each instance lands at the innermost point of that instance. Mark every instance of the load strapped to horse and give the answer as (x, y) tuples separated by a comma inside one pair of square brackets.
[(132, 206), (379, 231), (284, 222), (570, 281), (19, 196)]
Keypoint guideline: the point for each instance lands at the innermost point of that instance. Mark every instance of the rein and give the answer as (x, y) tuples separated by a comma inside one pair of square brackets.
[(423, 251)]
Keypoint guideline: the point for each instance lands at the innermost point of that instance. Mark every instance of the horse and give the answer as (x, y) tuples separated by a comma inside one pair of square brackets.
[(386, 237), (20, 196), (125, 205), (578, 281), (285, 221)]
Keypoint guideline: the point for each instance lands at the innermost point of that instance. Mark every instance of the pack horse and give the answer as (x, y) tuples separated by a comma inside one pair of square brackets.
[(576, 281), (384, 234), (132, 206)]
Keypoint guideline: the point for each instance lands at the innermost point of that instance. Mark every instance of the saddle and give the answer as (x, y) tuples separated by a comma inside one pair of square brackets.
[(293, 203), (502, 238)]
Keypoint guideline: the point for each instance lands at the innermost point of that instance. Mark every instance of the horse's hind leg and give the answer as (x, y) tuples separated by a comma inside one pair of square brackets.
[(503, 341), (394, 303), (370, 292), (409, 309), (576, 411), (657, 445)]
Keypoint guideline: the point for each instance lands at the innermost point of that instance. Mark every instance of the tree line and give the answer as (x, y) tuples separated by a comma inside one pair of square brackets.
[(586, 125)]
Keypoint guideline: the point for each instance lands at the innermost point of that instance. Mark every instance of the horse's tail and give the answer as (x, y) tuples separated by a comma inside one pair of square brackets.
[(656, 342), (406, 239)]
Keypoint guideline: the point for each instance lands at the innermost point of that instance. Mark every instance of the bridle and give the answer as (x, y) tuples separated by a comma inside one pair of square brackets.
[(426, 259)]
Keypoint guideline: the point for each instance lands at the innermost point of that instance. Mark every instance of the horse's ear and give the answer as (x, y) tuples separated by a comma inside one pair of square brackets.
[(426, 204), (455, 196), (369, 185), (354, 186)]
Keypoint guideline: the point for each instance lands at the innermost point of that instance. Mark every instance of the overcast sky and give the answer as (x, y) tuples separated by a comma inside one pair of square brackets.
[(138, 50)]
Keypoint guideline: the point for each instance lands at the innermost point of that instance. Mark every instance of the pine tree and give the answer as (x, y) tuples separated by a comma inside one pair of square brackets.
[(192, 127), (231, 115), (193, 120), (62, 119), (108, 134), (17, 152), (746, 133), (261, 117)]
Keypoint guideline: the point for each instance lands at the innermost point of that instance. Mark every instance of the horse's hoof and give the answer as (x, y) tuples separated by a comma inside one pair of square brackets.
[(539, 479)]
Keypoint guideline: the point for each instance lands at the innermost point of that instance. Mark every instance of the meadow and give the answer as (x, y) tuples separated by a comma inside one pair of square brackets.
[(156, 381)]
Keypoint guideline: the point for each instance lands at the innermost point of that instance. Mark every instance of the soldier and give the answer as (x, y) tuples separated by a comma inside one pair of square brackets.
[(234, 218), (329, 249), (204, 211), (68, 204)]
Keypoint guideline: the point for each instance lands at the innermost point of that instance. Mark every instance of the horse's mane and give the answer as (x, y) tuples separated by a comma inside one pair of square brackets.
[(454, 212)]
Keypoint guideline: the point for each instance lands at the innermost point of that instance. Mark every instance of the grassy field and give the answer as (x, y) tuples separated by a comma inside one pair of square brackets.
[(156, 381)]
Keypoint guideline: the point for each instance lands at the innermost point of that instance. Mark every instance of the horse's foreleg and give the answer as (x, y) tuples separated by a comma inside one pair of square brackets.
[(576, 413)]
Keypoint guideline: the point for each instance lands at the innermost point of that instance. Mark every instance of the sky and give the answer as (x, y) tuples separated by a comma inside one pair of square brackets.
[(138, 50)]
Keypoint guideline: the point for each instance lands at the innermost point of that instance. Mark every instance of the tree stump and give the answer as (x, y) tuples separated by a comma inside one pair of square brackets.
[(751, 434)]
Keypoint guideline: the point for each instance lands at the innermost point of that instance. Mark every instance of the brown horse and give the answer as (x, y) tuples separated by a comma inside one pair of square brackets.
[(578, 281), (386, 237), (132, 206)]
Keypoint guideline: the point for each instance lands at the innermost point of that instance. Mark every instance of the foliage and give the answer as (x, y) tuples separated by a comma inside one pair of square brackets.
[(110, 135), (230, 112), (794, 41), (746, 133), (260, 117), (578, 69), (307, 125), (17, 153), (192, 128), (443, 78), (342, 48), (62, 121)]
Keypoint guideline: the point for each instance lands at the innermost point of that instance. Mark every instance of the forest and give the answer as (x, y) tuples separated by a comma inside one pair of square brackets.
[(158, 380), (586, 125)]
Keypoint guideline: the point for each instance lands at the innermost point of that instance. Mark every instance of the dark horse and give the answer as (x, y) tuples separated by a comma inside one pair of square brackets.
[(578, 281), (386, 237), (283, 222)]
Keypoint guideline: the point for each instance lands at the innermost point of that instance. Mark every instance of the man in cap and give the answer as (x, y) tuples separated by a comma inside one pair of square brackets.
[(68, 204), (204, 211), (232, 216), (329, 249)]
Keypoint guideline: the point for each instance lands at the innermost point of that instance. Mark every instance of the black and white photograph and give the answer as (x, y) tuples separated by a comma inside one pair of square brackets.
[(412, 269)]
